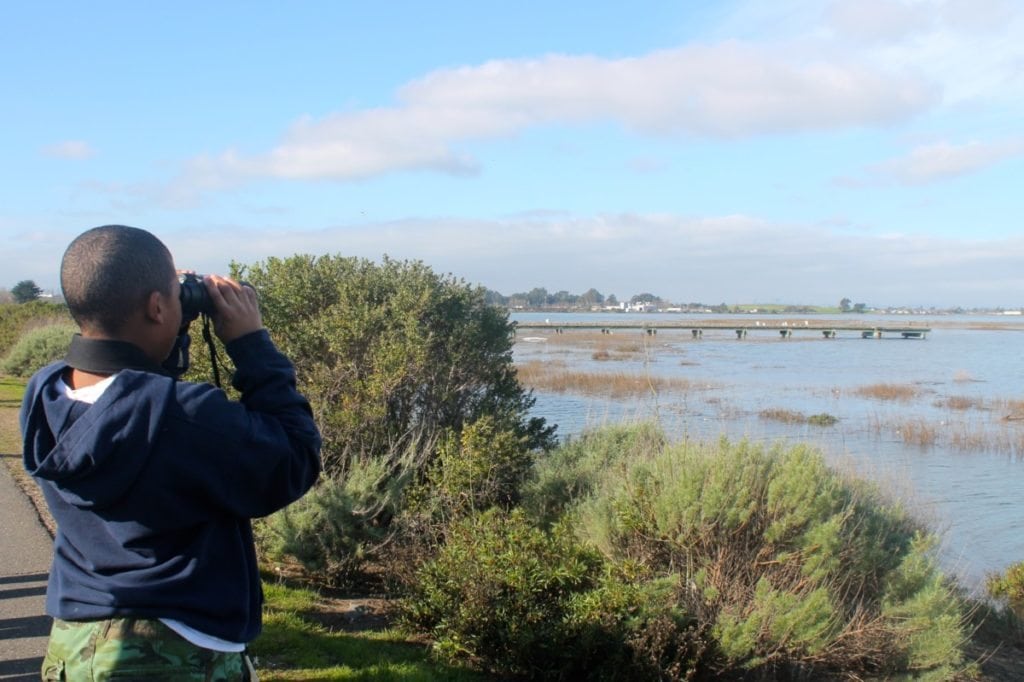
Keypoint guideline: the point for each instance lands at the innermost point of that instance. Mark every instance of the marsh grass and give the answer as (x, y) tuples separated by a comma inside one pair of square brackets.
[(1002, 437), (614, 344), (960, 402), (962, 435), (794, 417), (917, 431), (1014, 410), (544, 377), (784, 416), (885, 391)]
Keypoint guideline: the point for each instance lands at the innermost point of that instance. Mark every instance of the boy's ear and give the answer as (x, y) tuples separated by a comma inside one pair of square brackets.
[(156, 308)]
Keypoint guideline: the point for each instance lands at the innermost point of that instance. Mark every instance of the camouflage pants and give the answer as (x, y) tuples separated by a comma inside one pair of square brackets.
[(134, 649)]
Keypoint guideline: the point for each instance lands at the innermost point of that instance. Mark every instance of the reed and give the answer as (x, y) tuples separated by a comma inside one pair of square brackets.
[(621, 343), (917, 431), (961, 435), (884, 391), (1014, 410), (543, 377), (1003, 440), (784, 416), (959, 402)]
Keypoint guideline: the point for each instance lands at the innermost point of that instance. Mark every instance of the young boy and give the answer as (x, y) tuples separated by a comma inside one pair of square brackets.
[(153, 481)]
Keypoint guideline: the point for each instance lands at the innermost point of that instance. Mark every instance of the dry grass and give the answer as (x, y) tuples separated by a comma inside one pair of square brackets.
[(545, 377), (900, 392), (1007, 439), (959, 402), (1014, 410), (616, 342), (961, 435), (969, 440), (784, 416), (917, 431)]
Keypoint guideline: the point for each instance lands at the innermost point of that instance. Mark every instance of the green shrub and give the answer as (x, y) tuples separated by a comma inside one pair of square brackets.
[(16, 319), (823, 419), (1009, 587), (790, 566), (714, 561), (336, 527), (630, 627), (392, 352), (482, 467), (499, 594), (573, 470), (37, 348)]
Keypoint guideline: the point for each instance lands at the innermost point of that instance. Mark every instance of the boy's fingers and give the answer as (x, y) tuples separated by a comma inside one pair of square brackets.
[(223, 290)]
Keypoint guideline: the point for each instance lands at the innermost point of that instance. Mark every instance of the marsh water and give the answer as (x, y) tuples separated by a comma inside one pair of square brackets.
[(938, 421)]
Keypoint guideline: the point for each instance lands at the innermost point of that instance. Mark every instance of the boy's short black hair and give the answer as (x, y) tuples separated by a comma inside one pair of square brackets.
[(108, 272)]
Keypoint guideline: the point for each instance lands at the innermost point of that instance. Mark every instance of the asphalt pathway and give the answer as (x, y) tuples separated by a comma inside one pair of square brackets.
[(25, 552)]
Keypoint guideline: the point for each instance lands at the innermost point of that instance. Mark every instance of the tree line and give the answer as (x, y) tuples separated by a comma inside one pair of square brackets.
[(539, 297)]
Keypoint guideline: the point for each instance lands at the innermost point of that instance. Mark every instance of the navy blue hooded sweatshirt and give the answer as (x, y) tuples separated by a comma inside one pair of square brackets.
[(153, 486)]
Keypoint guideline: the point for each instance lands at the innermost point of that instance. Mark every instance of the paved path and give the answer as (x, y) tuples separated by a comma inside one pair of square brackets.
[(25, 551)]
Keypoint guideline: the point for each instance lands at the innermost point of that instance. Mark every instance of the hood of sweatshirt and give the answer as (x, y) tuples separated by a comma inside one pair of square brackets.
[(93, 453)]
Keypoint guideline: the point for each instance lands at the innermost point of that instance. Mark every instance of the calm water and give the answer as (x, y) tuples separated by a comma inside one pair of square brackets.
[(968, 483)]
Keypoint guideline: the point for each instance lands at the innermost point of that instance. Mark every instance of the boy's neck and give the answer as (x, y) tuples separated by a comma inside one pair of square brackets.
[(77, 378)]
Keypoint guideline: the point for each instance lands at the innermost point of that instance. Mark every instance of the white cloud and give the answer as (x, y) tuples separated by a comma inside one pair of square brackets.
[(726, 90), (942, 161), (879, 20), (69, 149), (713, 259), (972, 49), (731, 258)]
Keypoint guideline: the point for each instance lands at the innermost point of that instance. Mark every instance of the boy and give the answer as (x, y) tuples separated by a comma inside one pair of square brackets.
[(153, 481)]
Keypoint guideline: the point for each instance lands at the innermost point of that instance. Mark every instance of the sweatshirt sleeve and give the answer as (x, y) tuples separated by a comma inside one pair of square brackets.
[(276, 458)]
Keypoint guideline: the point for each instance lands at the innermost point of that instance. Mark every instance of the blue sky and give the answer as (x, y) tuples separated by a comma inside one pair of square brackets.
[(765, 151)]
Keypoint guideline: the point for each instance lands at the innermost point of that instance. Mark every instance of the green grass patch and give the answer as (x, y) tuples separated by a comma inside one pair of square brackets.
[(11, 391), (295, 646)]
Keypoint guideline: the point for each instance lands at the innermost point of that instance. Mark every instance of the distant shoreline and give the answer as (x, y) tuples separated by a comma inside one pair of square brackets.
[(967, 321)]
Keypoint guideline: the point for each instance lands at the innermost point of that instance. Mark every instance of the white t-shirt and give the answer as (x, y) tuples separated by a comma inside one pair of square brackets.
[(90, 394)]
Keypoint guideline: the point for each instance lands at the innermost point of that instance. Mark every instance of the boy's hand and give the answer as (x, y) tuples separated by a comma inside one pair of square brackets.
[(238, 311)]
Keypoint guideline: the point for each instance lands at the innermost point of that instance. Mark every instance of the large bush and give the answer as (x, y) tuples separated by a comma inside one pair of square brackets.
[(37, 348), (727, 560), (391, 353), (787, 564), (410, 376)]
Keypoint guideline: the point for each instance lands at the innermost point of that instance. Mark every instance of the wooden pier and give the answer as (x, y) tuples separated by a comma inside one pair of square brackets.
[(785, 330)]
